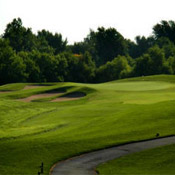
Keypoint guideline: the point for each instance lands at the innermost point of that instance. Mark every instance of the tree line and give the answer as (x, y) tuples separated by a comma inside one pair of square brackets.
[(103, 55)]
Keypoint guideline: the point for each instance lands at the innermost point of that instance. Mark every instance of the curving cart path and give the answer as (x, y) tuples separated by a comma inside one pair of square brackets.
[(85, 164)]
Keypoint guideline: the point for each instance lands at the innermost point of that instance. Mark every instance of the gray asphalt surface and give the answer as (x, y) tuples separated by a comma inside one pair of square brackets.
[(86, 163)]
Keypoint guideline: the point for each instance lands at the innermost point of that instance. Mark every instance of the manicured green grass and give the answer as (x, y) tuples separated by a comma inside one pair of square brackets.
[(158, 161), (12, 87), (110, 114)]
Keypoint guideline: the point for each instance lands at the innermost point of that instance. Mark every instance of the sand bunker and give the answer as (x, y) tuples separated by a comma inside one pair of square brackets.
[(38, 96), (72, 96), (3, 92), (33, 86), (68, 97)]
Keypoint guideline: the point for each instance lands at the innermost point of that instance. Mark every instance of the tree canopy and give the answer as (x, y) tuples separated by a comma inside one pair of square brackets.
[(103, 55), (165, 29)]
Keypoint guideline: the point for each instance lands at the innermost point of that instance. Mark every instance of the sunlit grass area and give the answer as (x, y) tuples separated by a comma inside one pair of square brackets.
[(109, 114), (155, 161)]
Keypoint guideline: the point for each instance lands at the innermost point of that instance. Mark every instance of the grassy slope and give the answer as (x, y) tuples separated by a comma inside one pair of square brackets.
[(155, 161), (111, 113)]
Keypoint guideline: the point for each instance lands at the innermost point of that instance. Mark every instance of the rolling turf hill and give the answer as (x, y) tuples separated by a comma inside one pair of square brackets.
[(60, 120)]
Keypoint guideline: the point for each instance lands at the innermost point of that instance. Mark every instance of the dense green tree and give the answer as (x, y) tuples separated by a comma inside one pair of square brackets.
[(103, 45), (12, 67), (167, 45), (32, 70), (43, 46), (87, 68), (78, 48), (158, 58), (104, 55), (88, 45), (165, 29), (54, 40), (47, 64), (81, 68), (61, 67), (153, 62), (142, 66), (20, 38), (171, 64), (109, 43), (140, 47), (115, 69), (72, 70)]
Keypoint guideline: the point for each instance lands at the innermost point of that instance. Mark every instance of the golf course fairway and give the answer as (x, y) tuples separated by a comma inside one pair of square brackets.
[(102, 115)]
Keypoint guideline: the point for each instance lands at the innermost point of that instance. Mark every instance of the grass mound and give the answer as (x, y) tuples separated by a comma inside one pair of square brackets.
[(109, 114), (70, 96), (12, 87)]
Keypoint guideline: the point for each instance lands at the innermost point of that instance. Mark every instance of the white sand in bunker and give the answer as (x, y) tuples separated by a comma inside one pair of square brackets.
[(68, 97), (38, 96), (33, 86)]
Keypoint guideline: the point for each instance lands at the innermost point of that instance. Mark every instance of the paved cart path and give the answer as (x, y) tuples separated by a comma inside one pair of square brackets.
[(85, 164)]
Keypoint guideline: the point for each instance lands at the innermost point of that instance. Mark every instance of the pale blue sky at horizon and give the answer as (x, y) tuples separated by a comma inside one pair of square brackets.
[(74, 18)]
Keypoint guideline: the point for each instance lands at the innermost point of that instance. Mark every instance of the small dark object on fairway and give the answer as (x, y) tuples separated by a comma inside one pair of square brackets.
[(97, 171), (157, 135), (42, 168), (39, 173)]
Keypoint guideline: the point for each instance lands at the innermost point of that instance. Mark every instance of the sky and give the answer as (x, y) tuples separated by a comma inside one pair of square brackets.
[(74, 18)]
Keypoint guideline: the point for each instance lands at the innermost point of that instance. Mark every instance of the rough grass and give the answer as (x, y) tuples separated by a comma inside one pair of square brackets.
[(110, 114), (158, 161)]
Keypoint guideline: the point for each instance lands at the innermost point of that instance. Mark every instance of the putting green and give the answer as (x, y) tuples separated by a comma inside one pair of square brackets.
[(136, 86)]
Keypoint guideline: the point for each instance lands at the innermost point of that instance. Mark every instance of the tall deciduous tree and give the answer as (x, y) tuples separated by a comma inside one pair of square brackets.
[(153, 62), (165, 29), (103, 45), (20, 38), (108, 43), (12, 67), (54, 40), (115, 69), (141, 46)]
